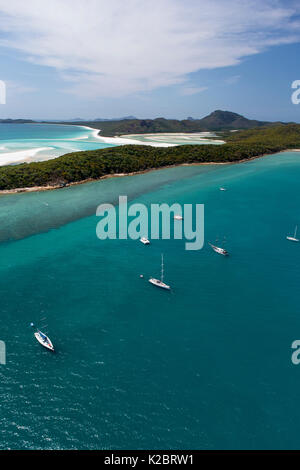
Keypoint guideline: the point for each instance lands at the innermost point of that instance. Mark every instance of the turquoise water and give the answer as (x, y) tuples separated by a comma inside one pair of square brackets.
[(206, 366), (44, 141), (21, 143)]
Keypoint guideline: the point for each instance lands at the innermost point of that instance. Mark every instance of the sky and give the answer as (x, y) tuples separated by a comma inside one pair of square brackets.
[(66, 59)]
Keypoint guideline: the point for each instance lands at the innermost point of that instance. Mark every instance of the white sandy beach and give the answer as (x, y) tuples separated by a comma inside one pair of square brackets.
[(123, 140), (176, 137), (155, 140), (20, 156)]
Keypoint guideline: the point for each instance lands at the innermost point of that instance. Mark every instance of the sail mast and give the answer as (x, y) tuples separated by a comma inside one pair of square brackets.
[(162, 268), (295, 231)]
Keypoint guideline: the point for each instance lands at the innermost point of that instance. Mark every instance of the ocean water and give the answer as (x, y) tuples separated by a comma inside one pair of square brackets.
[(21, 143), (206, 366), (36, 142)]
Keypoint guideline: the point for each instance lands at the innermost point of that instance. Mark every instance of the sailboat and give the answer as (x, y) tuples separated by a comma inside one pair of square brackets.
[(293, 239), (160, 282), (220, 251), (43, 339)]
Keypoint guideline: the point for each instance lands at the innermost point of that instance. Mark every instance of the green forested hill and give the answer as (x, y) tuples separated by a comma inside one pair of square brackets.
[(79, 166), (218, 120), (281, 134), (142, 126)]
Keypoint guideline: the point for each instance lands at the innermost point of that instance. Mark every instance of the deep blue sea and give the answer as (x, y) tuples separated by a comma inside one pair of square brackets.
[(206, 366)]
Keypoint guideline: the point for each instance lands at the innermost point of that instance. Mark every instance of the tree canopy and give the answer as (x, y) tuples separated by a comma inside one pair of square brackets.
[(94, 164)]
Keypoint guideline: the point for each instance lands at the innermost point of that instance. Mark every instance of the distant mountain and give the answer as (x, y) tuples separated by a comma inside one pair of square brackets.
[(78, 119), (217, 121), (125, 118), (15, 121), (59, 121), (227, 120)]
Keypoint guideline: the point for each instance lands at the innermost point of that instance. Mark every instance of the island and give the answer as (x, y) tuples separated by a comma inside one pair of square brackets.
[(78, 167)]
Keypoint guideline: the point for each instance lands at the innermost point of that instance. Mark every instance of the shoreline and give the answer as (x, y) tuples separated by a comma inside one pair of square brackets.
[(121, 175), (31, 154), (126, 139), (120, 140), (21, 156), (209, 138), (34, 189)]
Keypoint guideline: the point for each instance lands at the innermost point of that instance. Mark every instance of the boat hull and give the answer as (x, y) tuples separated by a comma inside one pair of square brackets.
[(160, 284), (220, 251), (46, 344), (292, 239)]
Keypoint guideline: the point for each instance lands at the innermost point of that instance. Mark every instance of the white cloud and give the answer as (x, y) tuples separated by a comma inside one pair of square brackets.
[(113, 48), (191, 90)]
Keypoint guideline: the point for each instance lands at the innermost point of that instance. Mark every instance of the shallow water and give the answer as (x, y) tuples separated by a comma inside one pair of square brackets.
[(36, 142), (206, 366), (21, 143)]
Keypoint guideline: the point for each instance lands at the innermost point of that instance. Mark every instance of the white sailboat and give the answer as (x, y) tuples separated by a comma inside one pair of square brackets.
[(160, 282), (223, 189), (220, 251), (293, 239), (43, 339)]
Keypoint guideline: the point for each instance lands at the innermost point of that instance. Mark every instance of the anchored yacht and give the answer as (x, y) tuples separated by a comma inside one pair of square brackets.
[(293, 239), (43, 339), (220, 251), (160, 282)]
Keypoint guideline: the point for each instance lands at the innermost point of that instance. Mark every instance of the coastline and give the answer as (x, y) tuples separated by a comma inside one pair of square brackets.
[(206, 137), (113, 175), (120, 140), (12, 156), (125, 139), (28, 155), (21, 156), (120, 175)]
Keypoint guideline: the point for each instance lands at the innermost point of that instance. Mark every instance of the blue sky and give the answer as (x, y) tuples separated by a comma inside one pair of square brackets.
[(63, 59)]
